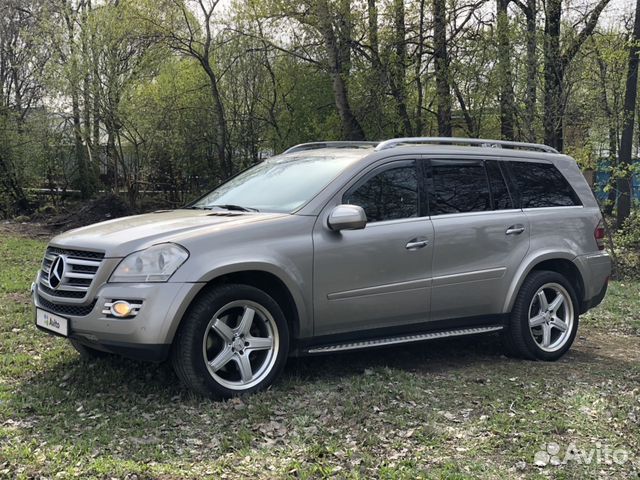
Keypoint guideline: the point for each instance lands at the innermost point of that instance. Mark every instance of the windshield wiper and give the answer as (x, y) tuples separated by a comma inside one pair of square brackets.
[(239, 208)]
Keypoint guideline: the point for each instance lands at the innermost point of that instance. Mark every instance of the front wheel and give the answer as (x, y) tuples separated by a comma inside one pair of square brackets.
[(233, 340), (544, 320)]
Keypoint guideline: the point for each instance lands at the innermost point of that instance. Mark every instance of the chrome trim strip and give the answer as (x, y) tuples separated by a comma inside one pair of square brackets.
[(87, 263), (474, 276), (62, 300), (381, 289), (404, 339), (136, 305), (546, 209), (476, 214), (88, 276)]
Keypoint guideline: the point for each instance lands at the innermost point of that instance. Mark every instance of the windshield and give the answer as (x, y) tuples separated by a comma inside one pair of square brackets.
[(277, 185)]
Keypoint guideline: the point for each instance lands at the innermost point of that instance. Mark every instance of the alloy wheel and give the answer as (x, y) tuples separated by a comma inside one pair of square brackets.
[(551, 317), (240, 344)]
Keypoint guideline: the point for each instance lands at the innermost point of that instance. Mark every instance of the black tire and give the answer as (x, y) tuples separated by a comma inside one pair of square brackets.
[(87, 353), (198, 343), (520, 340)]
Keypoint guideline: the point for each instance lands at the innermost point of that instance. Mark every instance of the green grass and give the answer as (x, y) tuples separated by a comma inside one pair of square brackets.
[(447, 409)]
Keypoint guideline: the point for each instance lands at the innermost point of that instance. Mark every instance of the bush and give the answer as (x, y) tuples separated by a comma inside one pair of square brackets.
[(627, 247)]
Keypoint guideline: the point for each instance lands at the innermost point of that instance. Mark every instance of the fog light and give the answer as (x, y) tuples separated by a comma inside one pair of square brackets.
[(122, 308)]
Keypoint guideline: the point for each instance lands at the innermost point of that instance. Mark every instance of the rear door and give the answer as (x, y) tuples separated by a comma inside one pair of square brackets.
[(379, 276), (480, 237)]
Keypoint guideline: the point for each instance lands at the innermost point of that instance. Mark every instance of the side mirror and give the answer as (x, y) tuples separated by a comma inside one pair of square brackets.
[(347, 217)]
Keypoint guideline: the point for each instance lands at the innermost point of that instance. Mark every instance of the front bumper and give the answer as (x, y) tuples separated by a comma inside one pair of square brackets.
[(146, 336)]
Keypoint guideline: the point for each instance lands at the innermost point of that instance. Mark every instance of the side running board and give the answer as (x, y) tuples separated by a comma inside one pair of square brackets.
[(383, 342)]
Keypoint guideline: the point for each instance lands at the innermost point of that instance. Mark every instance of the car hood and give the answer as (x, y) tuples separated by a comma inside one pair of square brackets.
[(119, 237)]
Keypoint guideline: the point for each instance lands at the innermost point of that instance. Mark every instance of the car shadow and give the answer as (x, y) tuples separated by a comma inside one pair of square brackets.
[(115, 400), (113, 374)]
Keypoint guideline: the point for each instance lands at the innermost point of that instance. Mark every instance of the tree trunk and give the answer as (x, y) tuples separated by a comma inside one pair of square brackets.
[(470, 124), (12, 185), (377, 75), (507, 101), (613, 137), (399, 68), (337, 44), (613, 163), (626, 143), (553, 77), (90, 179), (443, 91), (84, 186), (555, 66), (532, 72), (221, 121), (419, 124)]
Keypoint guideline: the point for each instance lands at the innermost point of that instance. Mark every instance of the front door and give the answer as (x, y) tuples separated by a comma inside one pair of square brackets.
[(379, 276)]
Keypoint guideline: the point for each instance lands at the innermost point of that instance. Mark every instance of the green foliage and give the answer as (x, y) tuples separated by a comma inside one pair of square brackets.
[(124, 96), (627, 247), (629, 236)]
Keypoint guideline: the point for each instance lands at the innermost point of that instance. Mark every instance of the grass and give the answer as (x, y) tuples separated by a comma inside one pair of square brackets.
[(447, 409)]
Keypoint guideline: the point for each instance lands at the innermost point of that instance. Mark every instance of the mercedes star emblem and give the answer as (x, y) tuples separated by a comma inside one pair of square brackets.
[(56, 272)]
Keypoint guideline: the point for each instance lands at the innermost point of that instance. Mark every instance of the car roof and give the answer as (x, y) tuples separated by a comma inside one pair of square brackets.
[(369, 152)]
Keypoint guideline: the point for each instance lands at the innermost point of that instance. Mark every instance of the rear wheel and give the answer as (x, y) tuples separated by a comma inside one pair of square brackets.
[(544, 320), (233, 340)]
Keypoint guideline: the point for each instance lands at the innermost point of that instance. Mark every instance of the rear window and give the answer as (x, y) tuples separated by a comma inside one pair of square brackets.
[(458, 186), (499, 192), (542, 185)]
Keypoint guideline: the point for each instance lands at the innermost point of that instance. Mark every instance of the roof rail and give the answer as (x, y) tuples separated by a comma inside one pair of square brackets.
[(315, 145), (470, 142)]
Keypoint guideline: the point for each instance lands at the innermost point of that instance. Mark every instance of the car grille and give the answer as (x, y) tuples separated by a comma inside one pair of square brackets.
[(73, 278), (66, 309)]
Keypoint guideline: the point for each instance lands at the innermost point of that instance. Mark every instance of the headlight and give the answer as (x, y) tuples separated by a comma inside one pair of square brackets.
[(155, 264)]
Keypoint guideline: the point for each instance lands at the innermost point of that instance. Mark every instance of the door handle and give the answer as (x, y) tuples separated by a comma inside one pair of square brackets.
[(515, 229), (416, 243)]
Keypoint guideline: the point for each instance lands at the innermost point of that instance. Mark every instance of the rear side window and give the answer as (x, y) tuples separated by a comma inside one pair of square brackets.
[(458, 186), (389, 195), (542, 185), (499, 191)]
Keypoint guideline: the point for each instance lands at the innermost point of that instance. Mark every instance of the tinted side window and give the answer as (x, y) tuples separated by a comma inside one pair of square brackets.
[(499, 192), (542, 185), (458, 186), (389, 195)]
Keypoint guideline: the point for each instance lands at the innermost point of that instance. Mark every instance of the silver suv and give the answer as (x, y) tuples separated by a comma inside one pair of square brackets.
[(337, 246)]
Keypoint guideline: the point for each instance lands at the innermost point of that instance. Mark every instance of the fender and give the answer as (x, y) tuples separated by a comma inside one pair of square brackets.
[(529, 264), (290, 277)]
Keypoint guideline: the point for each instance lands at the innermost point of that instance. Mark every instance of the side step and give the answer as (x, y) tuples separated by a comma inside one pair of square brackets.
[(383, 342)]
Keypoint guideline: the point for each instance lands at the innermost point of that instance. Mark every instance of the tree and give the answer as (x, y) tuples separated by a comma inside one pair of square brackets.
[(626, 144), (335, 27), (530, 11), (507, 100), (556, 62), (441, 60), (22, 59), (192, 33)]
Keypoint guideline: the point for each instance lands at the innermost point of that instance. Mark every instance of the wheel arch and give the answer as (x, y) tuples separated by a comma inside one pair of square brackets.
[(560, 262), (289, 300)]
